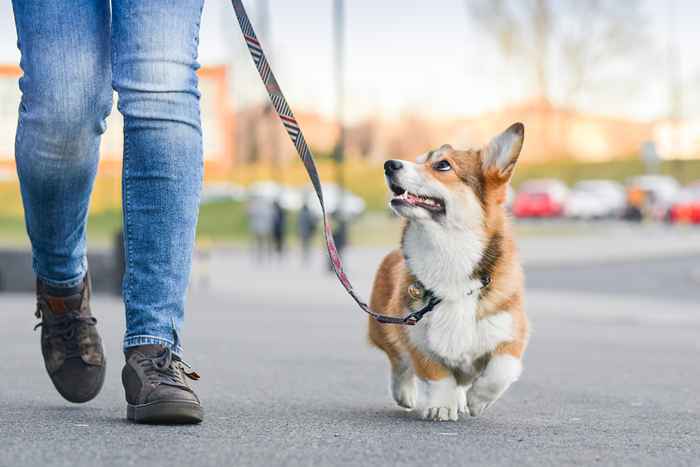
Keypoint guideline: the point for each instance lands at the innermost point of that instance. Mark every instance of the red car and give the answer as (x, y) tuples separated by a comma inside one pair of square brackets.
[(686, 209), (540, 198)]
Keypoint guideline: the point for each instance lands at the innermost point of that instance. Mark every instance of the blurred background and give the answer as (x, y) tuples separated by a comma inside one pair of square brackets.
[(609, 93)]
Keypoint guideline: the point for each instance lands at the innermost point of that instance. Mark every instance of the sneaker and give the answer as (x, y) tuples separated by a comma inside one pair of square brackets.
[(155, 384), (71, 346)]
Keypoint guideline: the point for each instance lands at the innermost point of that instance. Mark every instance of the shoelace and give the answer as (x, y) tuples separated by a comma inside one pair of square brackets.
[(66, 327), (167, 368)]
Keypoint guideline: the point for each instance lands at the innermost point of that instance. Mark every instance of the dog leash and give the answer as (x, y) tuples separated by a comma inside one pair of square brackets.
[(295, 134)]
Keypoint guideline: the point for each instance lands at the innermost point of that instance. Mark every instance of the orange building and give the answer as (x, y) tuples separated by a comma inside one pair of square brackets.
[(218, 123)]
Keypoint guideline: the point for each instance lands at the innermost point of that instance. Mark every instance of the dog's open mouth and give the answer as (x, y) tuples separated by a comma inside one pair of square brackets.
[(403, 197)]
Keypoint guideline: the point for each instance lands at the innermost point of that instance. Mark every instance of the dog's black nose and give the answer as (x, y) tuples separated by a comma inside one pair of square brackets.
[(392, 166)]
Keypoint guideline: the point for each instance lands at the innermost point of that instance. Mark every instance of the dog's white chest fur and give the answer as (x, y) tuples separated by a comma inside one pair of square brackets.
[(452, 334), (442, 260)]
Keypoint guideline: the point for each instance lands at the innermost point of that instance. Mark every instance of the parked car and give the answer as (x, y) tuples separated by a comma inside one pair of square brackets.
[(686, 208), (659, 192), (595, 199), (540, 198)]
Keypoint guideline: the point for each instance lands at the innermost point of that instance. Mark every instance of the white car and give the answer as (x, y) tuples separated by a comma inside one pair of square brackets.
[(595, 199)]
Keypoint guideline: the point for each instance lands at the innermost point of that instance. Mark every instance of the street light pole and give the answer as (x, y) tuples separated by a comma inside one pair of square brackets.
[(339, 39), (267, 120), (341, 222)]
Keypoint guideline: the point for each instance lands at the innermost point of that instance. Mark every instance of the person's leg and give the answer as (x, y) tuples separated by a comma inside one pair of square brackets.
[(66, 96), (154, 74), (154, 64)]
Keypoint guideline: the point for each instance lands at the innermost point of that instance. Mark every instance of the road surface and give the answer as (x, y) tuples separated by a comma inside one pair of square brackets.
[(611, 377)]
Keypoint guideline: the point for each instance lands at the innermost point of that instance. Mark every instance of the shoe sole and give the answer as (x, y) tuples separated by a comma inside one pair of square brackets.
[(166, 413), (87, 397)]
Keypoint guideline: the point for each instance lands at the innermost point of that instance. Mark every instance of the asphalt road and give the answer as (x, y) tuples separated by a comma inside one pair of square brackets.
[(675, 278), (611, 378)]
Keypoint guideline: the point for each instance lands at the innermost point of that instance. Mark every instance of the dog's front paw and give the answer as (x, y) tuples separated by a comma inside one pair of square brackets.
[(462, 407), (403, 388), (440, 414), (501, 371), (478, 401), (404, 393), (438, 399)]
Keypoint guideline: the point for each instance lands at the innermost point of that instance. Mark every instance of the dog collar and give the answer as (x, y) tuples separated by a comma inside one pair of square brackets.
[(417, 291)]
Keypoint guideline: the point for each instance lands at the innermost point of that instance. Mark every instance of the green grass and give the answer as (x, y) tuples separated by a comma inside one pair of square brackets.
[(101, 229)]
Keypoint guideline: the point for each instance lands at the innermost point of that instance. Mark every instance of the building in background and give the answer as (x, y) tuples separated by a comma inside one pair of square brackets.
[(552, 133), (218, 124), (677, 139)]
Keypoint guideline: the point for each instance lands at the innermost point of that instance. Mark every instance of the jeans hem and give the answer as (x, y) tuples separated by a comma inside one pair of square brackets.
[(62, 284), (136, 341)]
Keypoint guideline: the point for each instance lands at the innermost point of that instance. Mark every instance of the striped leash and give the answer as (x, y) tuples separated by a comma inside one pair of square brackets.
[(295, 134)]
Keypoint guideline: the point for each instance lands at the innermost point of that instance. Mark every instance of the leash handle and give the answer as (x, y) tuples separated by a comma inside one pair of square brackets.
[(295, 134)]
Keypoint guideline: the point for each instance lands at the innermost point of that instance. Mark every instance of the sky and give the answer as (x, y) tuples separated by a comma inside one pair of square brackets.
[(417, 56)]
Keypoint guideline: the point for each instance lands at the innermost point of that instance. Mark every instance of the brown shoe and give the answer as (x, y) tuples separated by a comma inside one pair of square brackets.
[(156, 389), (70, 344)]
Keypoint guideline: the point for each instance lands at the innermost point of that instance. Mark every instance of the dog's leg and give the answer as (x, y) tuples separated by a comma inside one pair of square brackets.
[(465, 377), (502, 370), (438, 399), (462, 408), (437, 389), (403, 379), (403, 382)]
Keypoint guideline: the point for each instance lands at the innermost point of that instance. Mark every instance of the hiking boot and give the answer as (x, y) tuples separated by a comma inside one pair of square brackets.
[(155, 384), (70, 344)]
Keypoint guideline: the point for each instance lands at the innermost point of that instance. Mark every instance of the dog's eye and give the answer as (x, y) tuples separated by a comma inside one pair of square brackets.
[(442, 166)]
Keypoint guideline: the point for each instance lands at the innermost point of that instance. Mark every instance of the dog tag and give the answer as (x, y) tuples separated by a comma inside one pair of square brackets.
[(416, 290)]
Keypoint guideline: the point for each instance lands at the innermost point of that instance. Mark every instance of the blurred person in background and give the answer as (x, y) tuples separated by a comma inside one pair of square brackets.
[(279, 227), (261, 216), (74, 54), (636, 199), (307, 230)]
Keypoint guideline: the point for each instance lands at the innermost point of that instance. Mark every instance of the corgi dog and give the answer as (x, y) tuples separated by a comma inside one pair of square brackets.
[(457, 245)]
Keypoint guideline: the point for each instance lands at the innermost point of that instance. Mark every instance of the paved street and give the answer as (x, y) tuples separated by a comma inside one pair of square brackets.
[(611, 377)]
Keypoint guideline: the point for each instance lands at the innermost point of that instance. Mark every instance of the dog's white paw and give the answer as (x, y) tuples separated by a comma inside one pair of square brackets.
[(404, 392), (403, 387), (462, 407), (438, 399), (478, 402), (441, 414), (499, 374)]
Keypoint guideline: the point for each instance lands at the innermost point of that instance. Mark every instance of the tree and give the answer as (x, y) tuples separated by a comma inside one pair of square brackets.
[(563, 45)]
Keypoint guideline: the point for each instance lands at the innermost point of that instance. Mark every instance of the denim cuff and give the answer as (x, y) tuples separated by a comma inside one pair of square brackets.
[(136, 341), (62, 284)]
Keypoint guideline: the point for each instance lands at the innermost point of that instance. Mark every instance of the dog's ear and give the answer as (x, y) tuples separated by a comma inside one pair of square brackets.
[(501, 154)]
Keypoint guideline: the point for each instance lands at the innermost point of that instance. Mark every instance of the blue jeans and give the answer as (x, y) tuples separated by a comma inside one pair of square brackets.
[(74, 53)]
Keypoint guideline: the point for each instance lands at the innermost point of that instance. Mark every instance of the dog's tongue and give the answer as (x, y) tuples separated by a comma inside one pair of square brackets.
[(412, 198)]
